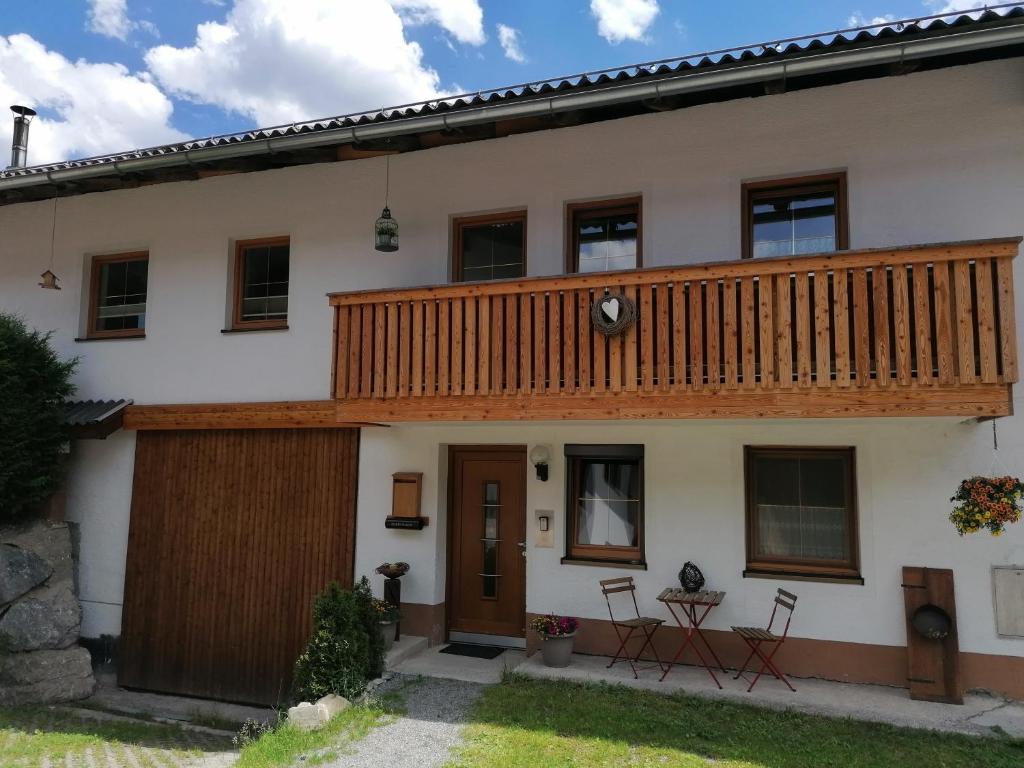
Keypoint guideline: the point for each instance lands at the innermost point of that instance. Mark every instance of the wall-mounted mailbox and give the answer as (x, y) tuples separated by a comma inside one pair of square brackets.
[(406, 493)]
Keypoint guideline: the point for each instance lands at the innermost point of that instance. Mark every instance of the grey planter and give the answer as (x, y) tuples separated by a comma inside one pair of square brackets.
[(387, 631), (557, 650)]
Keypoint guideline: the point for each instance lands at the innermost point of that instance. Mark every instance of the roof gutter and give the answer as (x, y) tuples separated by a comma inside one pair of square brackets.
[(819, 63)]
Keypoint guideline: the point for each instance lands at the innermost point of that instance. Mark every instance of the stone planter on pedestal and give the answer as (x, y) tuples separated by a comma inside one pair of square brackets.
[(40, 661)]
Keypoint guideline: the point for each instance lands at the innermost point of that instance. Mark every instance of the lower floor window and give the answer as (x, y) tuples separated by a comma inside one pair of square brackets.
[(605, 502), (801, 511)]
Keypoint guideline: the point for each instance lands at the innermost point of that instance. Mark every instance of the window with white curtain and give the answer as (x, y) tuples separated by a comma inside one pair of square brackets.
[(605, 502), (801, 514)]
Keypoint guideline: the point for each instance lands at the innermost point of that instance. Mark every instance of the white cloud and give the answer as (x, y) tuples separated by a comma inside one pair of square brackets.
[(275, 65), (462, 18), (858, 20), (509, 39), (87, 108), (970, 7), (109, 18), (619, 20)]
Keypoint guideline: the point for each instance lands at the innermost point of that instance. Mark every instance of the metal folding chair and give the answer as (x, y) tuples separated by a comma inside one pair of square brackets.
[(755, 638), (642, 627)]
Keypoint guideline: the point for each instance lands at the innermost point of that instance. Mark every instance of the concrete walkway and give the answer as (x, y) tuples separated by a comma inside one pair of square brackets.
[(978, 715), (433, 663)]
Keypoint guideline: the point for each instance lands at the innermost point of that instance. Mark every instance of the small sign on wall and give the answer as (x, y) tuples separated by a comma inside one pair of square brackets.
[(406, 494)]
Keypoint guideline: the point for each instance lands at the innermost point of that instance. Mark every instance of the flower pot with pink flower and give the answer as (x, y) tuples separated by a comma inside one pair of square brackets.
[(556, 633)]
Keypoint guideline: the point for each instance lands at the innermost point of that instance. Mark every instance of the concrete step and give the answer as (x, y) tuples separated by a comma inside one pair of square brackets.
[(405, 648)]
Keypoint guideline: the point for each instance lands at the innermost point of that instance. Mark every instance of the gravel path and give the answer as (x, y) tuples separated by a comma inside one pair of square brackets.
[(423, 737)]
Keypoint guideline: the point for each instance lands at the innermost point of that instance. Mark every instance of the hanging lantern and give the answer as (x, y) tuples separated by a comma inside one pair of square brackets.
[(49, 280), (385, 229), (385, 232)]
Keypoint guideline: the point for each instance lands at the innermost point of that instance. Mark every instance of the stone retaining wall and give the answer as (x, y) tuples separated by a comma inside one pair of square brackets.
[(40, 617)]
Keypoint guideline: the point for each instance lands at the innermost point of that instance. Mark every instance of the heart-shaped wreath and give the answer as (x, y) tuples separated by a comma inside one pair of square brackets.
[(613, 313)]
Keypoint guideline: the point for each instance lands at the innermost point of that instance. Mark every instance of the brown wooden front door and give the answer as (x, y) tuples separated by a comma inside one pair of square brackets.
[(233, 533), (487, 535)]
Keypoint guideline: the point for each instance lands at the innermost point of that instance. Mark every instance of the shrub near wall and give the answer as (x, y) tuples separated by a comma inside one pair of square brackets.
[(346, 649), (40, 661), (34, 383)]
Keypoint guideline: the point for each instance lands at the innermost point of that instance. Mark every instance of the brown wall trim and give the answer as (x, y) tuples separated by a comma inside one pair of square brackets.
[(424, 620), (285, 414), (805, 657)]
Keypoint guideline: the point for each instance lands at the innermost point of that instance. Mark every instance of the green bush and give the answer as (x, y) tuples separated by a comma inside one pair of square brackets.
[(346, 649), (34, 383)]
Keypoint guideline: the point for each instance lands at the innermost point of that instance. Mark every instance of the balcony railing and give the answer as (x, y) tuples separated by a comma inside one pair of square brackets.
[(923, 330)]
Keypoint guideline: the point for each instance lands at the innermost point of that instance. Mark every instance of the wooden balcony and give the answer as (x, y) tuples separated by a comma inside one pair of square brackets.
[(918, 331)]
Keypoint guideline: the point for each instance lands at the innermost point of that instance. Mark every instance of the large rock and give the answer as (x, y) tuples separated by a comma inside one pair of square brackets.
[(45, 677), (310, 717), (20, 571), (50, 541), (48, 617)]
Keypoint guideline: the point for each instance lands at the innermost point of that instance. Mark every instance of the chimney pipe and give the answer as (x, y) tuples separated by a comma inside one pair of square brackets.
[(19, 142)]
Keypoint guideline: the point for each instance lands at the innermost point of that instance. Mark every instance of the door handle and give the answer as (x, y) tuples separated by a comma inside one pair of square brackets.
[(522, 545)]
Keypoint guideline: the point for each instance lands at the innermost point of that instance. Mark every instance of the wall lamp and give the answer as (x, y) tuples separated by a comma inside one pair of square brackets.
[(539, 457)]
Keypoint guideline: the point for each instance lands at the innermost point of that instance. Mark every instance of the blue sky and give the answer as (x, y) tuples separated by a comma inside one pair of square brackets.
[(109, 75)]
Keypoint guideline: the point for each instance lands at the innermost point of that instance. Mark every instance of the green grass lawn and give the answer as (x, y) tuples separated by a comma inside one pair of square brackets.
[(34, 737), (37, 736), (284, 745), (542, 723)]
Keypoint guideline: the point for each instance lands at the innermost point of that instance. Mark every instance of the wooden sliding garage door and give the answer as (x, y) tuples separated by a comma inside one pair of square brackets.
[(232, 534)]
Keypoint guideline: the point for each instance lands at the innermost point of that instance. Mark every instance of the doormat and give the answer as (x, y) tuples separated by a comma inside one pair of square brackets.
[(476, 651)]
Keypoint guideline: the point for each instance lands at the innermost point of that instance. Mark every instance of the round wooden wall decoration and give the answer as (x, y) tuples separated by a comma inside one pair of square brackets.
[(612, 313)]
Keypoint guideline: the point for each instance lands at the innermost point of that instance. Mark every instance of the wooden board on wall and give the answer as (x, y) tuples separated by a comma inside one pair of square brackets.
[(933, 666), (233, 532)]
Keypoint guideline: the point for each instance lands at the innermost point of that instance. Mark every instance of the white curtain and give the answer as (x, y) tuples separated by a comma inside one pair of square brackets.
[(804, 532)]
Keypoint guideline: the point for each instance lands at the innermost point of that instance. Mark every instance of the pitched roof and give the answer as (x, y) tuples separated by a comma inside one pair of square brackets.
[(344, 128)]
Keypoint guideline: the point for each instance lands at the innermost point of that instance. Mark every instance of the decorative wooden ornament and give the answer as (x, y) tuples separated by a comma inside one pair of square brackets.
[(612, 313), (49, 280)]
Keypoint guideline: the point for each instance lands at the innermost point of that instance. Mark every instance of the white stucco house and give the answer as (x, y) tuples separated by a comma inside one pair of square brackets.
[(811, 245)]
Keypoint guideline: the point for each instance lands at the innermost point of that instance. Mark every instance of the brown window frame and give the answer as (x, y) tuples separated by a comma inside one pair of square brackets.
[(459, 223), (848, 570), (95, 269), (237, 323), (610, 207), (834, 182), (589, 553)]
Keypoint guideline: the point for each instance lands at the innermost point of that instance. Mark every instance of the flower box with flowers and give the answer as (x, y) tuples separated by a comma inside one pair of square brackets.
[(991, 503), (557, 633)]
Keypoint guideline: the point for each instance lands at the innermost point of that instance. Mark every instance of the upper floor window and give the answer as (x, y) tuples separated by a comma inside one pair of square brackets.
[(604, 505), (604, 236), (117, 305), (801, 511), (261, 283), (489, 247), (789, 217)]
